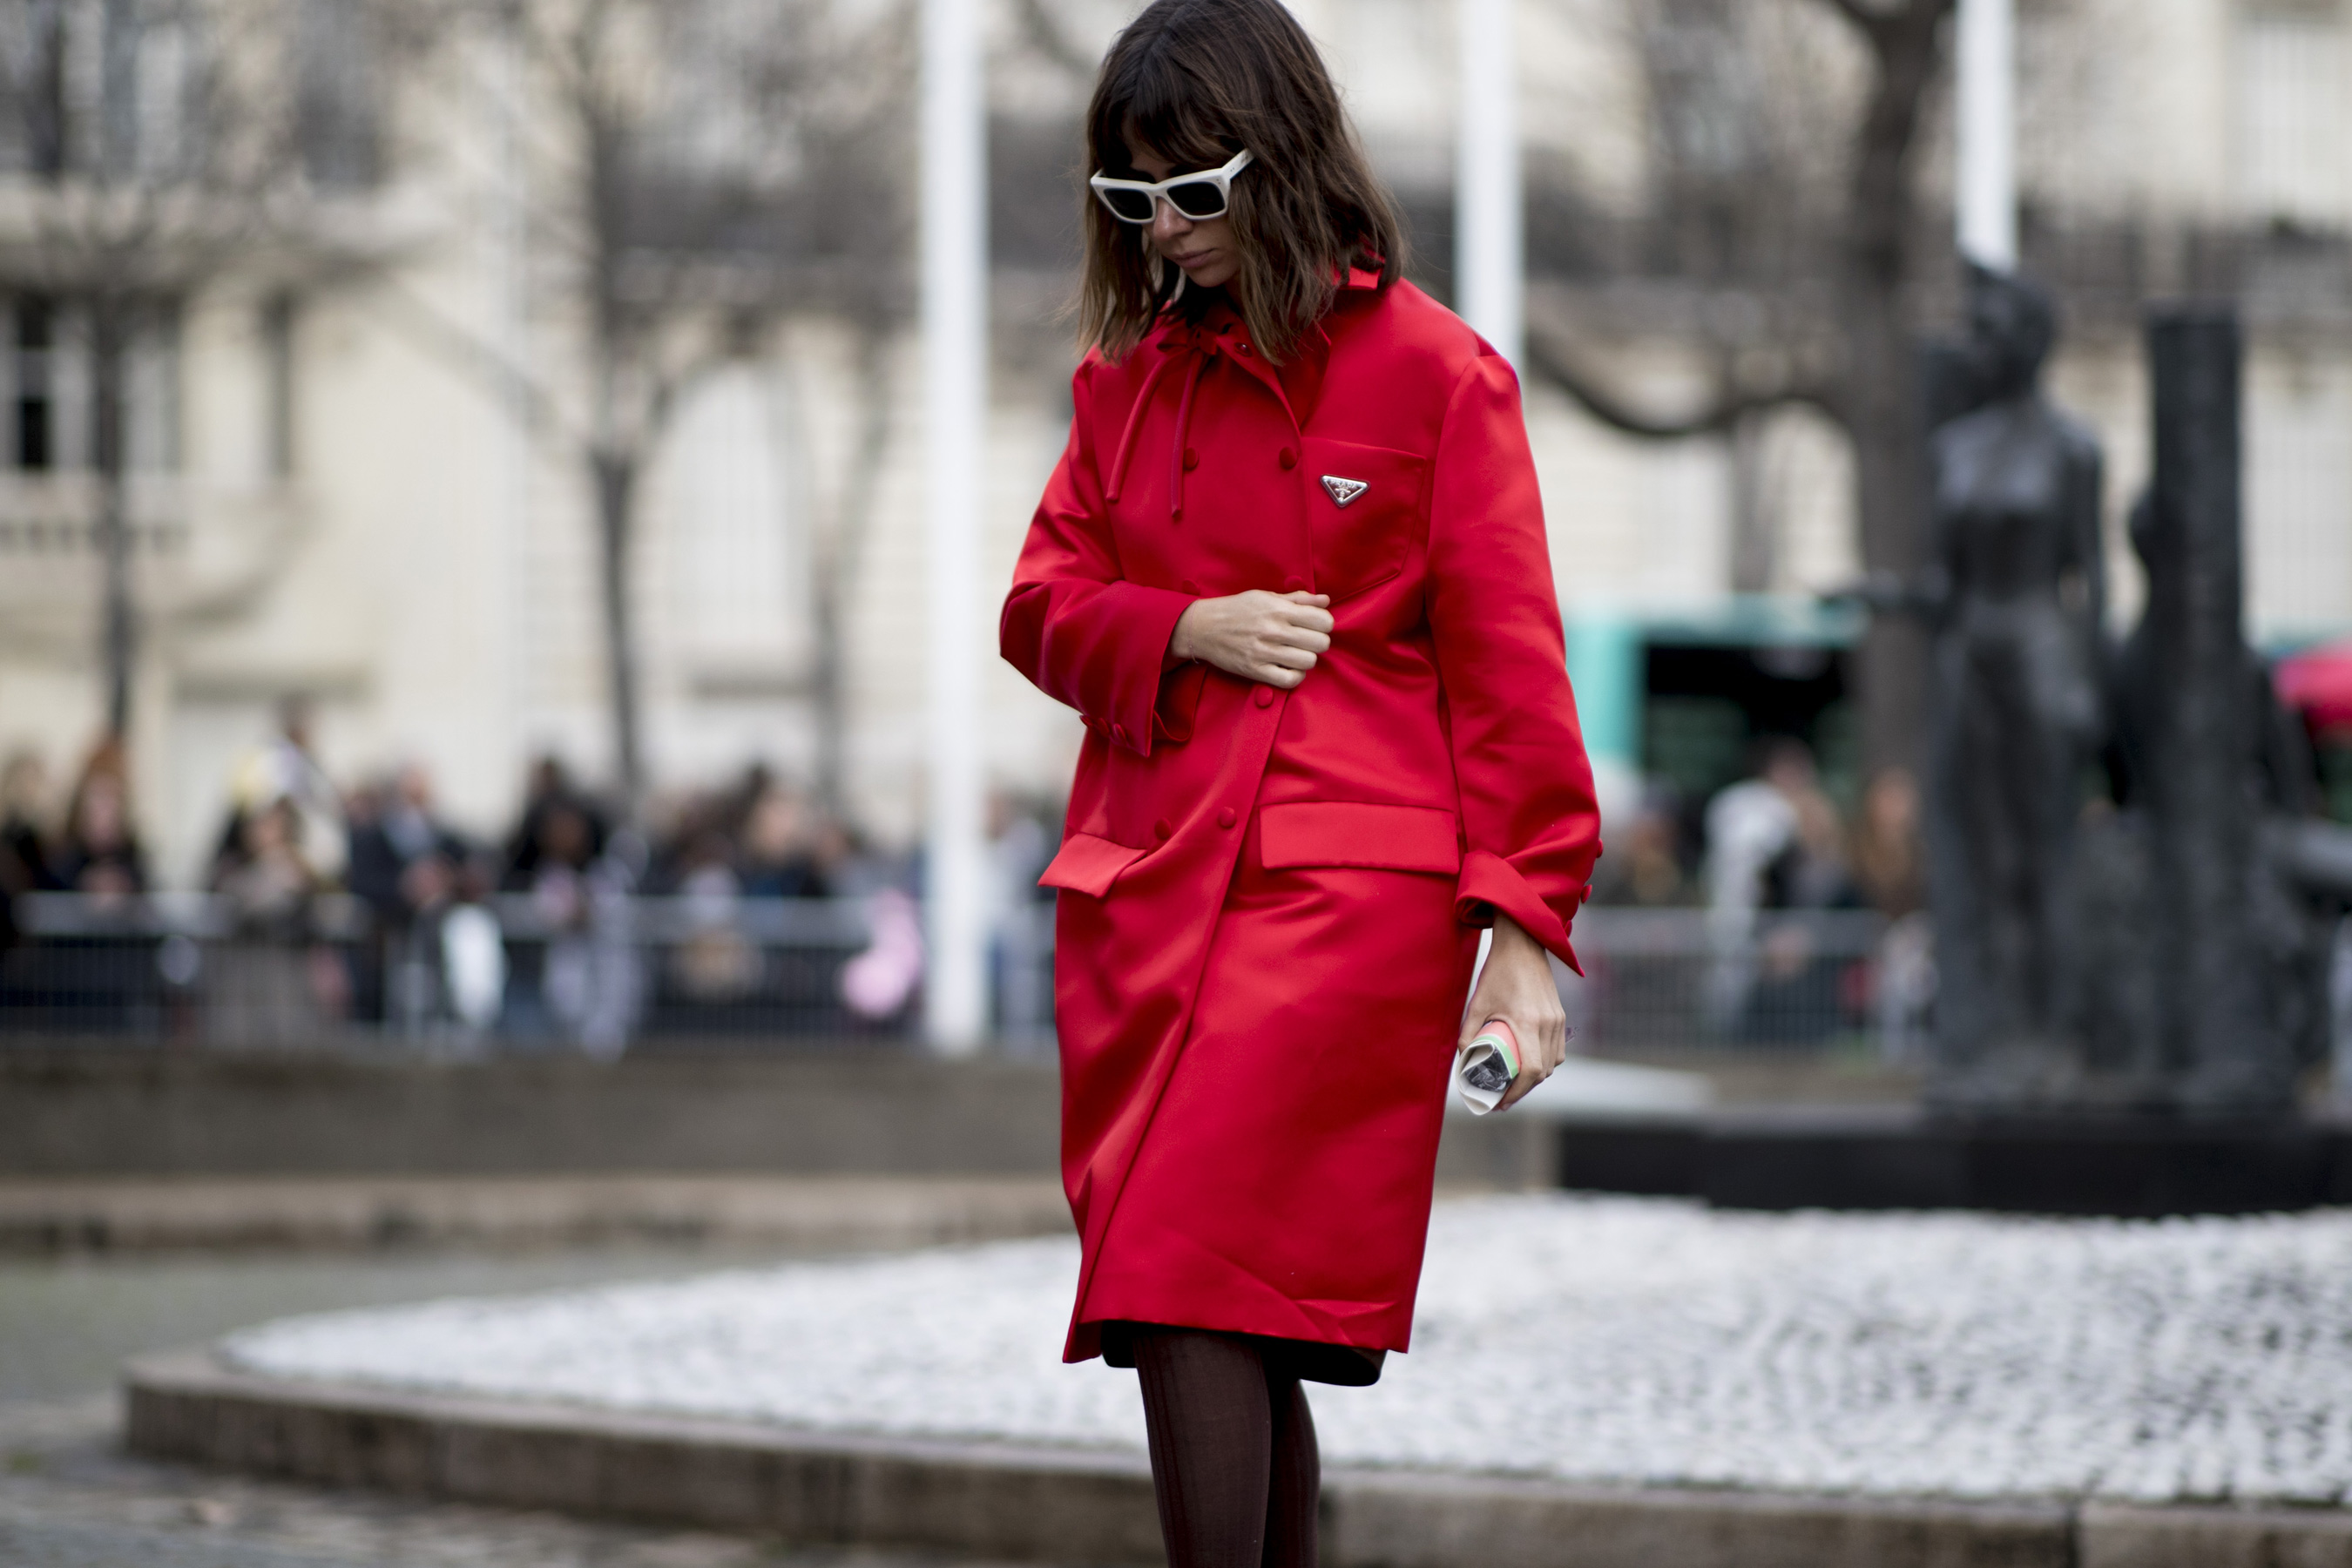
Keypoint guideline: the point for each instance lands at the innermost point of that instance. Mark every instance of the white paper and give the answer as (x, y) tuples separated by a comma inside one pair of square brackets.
[(1483, 1071)]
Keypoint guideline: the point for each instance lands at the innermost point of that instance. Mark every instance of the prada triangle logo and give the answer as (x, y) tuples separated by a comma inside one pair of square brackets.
[(1344, 491)]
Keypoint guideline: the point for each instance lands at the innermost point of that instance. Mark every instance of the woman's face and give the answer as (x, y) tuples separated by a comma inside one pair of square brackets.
[(1204, 247)]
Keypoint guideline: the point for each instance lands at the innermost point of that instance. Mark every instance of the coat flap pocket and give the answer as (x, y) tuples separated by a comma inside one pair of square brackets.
[(1363, 504), (1088, 865), (1352, 833)]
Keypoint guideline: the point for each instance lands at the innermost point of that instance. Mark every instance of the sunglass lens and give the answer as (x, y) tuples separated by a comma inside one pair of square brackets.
[(1132, 206), (1197, 198)]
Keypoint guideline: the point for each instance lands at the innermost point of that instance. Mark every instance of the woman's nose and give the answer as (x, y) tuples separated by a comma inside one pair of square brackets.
[(1167, 223)]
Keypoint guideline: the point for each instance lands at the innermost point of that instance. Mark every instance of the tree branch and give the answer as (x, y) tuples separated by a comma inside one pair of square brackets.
[(1547, 357), (1872, 22), (1045, 35), (469, 352)]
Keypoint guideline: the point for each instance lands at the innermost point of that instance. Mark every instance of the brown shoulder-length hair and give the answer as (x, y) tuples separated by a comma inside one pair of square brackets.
[(1197, 81)]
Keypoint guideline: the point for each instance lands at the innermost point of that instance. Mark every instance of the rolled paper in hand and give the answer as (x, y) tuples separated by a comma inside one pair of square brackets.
[(1486, 1069)]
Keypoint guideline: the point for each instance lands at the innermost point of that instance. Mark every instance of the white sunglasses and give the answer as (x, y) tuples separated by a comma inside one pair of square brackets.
[(1196, 196)]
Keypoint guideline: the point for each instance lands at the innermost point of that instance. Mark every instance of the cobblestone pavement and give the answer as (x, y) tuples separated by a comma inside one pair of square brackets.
[(70, 1498)]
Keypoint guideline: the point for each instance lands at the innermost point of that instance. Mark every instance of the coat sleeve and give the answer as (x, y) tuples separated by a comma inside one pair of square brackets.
[(1528, 814), (1082, 633)]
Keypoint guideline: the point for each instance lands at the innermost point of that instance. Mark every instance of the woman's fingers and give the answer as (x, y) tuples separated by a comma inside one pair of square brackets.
[(1517, 986), (1543, 1046), (1273, 639)]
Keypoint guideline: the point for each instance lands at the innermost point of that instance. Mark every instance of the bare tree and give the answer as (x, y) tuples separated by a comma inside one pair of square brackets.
[(1787, 206), (859, 241), (157, 146), (716, 170)]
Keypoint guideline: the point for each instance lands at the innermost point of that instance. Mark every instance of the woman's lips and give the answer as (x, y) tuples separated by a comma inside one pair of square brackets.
[(1192, 258)]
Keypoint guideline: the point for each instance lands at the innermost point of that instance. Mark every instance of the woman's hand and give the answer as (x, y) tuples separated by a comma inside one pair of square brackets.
[(1517, 986), (1258, 636)]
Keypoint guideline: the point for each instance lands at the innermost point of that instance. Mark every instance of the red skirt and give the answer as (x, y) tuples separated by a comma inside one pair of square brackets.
[(1280, 1145)]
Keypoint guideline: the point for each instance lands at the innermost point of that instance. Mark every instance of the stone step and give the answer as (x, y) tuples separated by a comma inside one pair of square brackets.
[(1064, 1505), (349, 1213)]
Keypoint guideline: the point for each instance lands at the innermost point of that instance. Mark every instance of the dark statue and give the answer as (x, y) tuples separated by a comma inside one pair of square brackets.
[(2157, 945), (2016, 594)]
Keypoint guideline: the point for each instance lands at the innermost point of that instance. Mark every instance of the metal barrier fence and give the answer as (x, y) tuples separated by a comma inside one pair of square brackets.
[(602, 970), (1777, 980), (594, 971)]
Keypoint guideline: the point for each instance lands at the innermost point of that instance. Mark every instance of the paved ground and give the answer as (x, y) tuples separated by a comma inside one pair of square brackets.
[(71, 1499)]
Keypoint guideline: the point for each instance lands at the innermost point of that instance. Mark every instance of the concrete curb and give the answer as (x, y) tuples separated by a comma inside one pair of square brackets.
[(353, 1213), (1010, 1502)]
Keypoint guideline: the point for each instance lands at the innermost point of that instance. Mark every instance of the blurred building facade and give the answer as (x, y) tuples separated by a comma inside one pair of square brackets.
[(345, 485)]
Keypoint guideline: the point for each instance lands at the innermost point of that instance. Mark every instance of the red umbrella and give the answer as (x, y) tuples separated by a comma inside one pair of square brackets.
[(2317, 683)]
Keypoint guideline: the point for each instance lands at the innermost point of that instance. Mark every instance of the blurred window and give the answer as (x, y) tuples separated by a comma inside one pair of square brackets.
[(337, 104), (147, 87), (33, 87), (110, 85), (739, 575), (2293, 78), (152, 391), (49, 427), (35, 430), (278, 347), (2299, 497)]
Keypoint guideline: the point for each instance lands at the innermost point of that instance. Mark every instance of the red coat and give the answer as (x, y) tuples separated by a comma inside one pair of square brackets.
[(1269, 899)]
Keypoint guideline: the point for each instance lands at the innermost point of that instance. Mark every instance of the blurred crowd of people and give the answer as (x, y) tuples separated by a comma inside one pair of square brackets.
[(367, 904), (531, 932), (1773, 842), (90, 846)]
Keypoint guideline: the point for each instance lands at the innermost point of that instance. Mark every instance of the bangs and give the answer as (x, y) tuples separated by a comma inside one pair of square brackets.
[(1152, 102)]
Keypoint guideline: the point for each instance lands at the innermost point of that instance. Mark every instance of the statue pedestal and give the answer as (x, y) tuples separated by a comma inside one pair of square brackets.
[(1897, 1158)]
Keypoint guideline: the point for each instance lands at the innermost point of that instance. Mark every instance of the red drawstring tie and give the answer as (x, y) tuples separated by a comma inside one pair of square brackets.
[(1203, 349), (1183, 432)]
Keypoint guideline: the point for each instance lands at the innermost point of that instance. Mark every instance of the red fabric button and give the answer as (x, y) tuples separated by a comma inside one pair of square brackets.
[(1161, 829), (1225, 817), (1289, 459), (1245, 348), (1191, 460), (1294, 585), (1266, 696)]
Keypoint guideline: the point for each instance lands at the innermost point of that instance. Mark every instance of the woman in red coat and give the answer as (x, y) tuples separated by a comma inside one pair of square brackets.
[(1291, 570)]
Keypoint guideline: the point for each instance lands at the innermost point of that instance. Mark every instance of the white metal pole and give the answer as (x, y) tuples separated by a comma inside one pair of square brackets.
[(511, 328), (1986, 180), (1489, 252), (955, 390)]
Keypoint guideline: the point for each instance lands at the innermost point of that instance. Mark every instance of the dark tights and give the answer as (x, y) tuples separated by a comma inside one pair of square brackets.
[(1233, 1450)]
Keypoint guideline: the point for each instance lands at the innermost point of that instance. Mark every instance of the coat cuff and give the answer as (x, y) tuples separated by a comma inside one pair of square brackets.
[(1490, 883), (1180, 699), (1147, 619)]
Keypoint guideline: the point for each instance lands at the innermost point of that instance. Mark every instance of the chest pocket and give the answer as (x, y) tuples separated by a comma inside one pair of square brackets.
[(1364, 510)]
